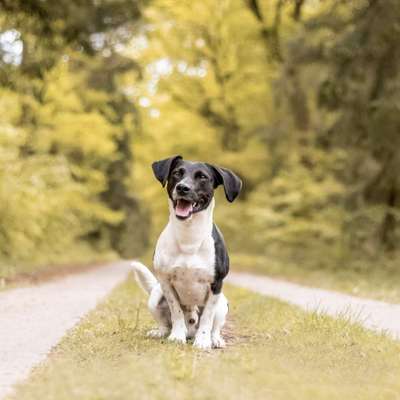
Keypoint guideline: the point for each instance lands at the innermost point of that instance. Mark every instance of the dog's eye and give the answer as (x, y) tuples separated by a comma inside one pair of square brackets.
[(178, 173), (201, 176)]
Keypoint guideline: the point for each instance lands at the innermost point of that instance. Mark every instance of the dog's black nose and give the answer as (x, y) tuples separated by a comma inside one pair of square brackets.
[(182, 188), (191, 321)]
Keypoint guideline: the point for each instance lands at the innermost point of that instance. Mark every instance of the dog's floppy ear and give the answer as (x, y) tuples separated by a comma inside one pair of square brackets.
[(162, 168), (232, 183)]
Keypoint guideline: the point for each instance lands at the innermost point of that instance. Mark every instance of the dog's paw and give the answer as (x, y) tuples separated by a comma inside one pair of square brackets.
[(158, 333), (177, 337), (218, 342), (202, 342)]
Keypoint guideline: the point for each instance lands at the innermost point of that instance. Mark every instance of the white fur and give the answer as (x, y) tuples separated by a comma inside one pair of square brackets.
[(144, 277), (184, 263), (160, 311)]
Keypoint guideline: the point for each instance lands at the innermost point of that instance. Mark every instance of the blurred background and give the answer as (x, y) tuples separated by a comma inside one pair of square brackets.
[(300, 97)]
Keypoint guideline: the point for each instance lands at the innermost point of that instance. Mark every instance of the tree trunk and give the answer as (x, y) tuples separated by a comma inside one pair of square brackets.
[(388, 227)]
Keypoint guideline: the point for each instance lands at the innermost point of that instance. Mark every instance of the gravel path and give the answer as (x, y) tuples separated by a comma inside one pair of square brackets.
[(375, 315), (34, 319)]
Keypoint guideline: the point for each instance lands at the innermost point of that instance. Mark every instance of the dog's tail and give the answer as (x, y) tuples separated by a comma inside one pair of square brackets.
[(144, 277)]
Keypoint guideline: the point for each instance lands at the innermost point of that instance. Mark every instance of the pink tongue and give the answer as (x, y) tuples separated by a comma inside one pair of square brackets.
[(183, 208)]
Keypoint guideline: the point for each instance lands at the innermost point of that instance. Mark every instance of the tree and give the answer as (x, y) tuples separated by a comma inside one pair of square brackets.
[(63, 63), (360, 90)]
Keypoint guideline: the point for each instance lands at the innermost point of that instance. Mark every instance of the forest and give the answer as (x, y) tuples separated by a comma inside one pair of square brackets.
[(300, 97)]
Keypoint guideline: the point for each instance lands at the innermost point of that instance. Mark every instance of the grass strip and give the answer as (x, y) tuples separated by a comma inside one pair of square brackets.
[(275, 351)]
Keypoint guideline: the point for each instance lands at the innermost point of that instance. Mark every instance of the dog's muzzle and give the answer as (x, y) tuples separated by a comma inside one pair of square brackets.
[(184, 202)]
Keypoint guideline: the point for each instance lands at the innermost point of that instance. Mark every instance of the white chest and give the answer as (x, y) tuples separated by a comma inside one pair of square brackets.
[(191, 284), (188, 266)]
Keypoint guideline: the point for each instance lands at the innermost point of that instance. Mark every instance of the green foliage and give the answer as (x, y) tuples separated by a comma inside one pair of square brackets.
[(64, 125), (302, 204), (48, 201), (281, 92), (299, 97), (358, 58)]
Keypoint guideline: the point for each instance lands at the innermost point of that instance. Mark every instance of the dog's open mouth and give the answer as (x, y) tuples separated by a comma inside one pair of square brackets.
[(185, 208)]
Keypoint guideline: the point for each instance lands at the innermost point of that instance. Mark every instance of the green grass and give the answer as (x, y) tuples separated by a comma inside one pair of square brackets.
[(275, 351), (375, 279)]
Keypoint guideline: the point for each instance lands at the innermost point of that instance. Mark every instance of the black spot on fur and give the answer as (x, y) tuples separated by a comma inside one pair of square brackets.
[(163, 302), (221, 260)]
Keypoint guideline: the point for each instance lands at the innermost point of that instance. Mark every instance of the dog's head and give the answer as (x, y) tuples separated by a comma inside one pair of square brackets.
[(191, 184)]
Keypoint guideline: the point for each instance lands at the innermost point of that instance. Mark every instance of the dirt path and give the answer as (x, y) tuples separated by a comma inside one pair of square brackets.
[(375, 315), (34, 319)]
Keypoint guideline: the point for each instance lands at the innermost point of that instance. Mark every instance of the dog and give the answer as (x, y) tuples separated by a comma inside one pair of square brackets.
[(190, 258)]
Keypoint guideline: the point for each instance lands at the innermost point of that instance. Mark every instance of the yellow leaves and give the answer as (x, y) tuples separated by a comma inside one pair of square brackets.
[(69, 119), (88, 133), (32, 195), (61, 89), (11, 135), (51, 196), (10, 106), (95, 212), (299, 204), (95, 180), (43, 206), (217, 82)]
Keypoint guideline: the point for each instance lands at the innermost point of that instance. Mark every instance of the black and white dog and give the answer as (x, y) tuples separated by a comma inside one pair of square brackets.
[(190, 259)]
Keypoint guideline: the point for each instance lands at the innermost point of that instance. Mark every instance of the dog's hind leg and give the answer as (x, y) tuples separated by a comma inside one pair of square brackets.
[(219, 321), (159, 309)]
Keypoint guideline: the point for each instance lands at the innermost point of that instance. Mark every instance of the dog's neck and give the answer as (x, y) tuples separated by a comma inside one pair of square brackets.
[(190, 234)]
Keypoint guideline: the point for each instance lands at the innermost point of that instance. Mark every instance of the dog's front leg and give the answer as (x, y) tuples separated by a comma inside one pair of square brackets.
[(203, 335), (179, 330)]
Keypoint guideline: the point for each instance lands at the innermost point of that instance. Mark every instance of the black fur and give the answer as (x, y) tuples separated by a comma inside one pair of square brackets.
[(221, 260), (199, 182), (162, 168), (232, 183)]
